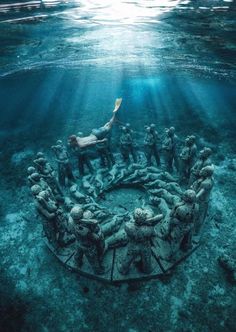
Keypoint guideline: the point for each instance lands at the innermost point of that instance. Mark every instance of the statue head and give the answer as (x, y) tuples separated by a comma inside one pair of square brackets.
[(88, 215), (205, 153), (42, 161), (140, 215), (171, 131), (189, 196), (31, 170), (192, 139), (36, 189), (35, 176), (44, 194), (40, 155), (207, 171), (76, 213)]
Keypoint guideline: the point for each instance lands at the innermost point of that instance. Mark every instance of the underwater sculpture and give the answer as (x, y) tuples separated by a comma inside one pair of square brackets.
[(89, 238), (182, 221), (169, 149), (111, 242), (203, 187), (202, 161), (139, 232), (64, 165), (150, 145), (127, 144), (187, 158), (81, 154)]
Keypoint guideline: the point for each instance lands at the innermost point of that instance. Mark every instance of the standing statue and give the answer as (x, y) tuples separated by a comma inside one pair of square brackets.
[(139, 232), (150, 145), (64, 165), (203, 187), (127, 144), (90, 240), (105, 153), (169, 148), (183, 218), (203, 161), (81, 154), (187, 157)]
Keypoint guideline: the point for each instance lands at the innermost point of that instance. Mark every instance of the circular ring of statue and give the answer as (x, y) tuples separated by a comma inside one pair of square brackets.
[(110, 241)]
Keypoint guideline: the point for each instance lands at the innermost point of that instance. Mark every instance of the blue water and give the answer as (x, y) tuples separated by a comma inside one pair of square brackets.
[(62, 65), (51, 102)]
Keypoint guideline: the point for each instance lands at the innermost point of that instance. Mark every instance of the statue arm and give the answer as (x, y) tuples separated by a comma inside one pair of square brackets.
[(200, 193), (154, 220)]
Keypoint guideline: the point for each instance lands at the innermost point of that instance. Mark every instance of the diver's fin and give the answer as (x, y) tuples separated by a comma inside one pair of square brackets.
[(117, 104)]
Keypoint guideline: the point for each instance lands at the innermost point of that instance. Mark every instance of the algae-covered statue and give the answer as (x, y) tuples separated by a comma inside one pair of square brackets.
[(81, 154), (104, 151), (89, 238), (150, 145), (127, 144), (187, 158), (36, 179), (203, 187), (140, 232), (183, 218), (169, 148), (202, 161), (64, 165), (47, 208), (47, 172)]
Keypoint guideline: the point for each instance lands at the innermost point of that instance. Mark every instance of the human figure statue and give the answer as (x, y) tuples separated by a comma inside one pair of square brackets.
[(48, 174), (97, 135), (183, 217), (170, 198), (31, 170), (127, 145), (187, 158), (203, 187), (89, 238), (150, 145), (81, 154), (64, 165), (35, 178), (202, 161), (76, 194), (47, 209), (62, 228), (140, 232), (169, 148), (104, 151)]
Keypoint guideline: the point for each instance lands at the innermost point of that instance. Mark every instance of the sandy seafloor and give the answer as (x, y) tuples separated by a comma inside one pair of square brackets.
[(192, 89)]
